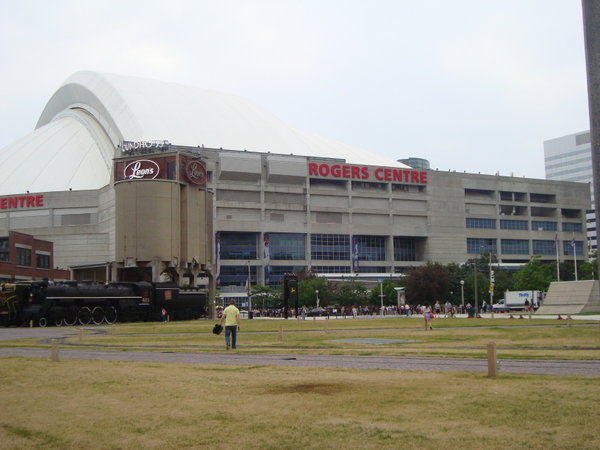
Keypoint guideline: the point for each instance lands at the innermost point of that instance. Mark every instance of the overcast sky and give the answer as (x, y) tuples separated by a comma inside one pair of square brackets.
[(467, 84)]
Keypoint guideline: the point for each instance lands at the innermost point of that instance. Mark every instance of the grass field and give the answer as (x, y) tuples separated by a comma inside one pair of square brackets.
[(522, 339), (119, 405)]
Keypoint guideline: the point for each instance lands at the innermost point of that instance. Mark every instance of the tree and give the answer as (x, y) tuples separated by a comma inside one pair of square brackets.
[(534, 276), (589, 270), (389, 293), (427, 284), (265, 296), (307, 291), (350, 293)]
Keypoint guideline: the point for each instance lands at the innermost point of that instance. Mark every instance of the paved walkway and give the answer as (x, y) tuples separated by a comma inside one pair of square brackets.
[(546, 367), (332, 361)]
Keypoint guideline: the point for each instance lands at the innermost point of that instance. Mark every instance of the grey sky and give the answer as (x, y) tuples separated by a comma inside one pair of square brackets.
[(468, 84)]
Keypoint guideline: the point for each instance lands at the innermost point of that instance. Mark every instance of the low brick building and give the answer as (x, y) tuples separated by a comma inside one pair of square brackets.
[(23, 257)]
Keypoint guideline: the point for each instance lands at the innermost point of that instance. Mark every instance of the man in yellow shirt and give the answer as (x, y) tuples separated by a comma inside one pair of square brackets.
[(231, 317)]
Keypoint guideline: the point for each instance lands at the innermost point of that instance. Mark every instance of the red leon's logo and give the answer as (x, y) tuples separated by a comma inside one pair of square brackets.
[(196, 173), (141, 169)]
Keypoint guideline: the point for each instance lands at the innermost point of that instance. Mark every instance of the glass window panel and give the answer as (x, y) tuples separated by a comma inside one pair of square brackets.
[(238, 245), (507, 224), (330, 246), (473, 222), (371, 248), (538, 225), (405, 249), (287, 246), (478, 246), (515, 246)]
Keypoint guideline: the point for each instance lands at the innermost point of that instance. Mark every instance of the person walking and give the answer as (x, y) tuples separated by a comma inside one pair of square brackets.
[(428, 315), (231, 317)]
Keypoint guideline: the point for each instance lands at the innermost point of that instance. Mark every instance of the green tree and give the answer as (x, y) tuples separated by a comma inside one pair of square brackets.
[(265, 296), (427, 284), (307, 292), (534, 276), (389, 293), (589, 270), (350, 293)]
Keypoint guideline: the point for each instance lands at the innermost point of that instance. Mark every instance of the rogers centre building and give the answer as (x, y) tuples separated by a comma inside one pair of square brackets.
[(139, 179)]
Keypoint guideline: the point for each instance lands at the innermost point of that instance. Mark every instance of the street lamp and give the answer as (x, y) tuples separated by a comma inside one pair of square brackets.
[(462, 293), (381, 295), (492, 282), (250, 315), (317, 294), (475, 286)]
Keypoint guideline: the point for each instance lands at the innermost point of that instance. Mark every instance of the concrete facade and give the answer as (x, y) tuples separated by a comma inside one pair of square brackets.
[(383, 220)]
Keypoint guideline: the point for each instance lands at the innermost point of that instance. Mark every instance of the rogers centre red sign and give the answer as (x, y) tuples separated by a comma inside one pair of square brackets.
[(366, 173), (22, 201)]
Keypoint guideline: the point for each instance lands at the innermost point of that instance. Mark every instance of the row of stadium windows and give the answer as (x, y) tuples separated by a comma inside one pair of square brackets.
[(522, 246), (536, 225), (326, 247)]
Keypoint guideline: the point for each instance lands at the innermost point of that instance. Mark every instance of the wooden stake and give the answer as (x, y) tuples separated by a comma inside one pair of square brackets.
[(281, 334), (81, 335), (491, 351), (569, 320), (54, 350)]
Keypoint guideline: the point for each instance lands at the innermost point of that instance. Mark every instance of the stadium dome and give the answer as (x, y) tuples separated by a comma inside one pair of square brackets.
[(84, 121)]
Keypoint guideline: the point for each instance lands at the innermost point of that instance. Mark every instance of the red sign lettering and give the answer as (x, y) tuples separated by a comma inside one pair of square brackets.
[(22, 201), (366, 172)]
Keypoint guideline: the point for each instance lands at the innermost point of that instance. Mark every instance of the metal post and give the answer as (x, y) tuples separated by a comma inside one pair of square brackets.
[(491, 283), (381, 296), (250, 315), (317, 294), (462, 293), (475, 286), (491, 354)]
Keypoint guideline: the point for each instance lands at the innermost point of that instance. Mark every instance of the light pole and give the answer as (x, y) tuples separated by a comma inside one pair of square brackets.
[(317, 294), (492, 281), (250, 315), (381, 295), (475, 285), (462, 293)]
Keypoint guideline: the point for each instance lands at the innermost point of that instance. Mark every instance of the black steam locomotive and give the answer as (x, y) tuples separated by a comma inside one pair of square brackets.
[(86, 303)]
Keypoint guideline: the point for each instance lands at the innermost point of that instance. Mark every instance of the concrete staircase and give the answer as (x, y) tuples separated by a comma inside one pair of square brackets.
[(572, 297)]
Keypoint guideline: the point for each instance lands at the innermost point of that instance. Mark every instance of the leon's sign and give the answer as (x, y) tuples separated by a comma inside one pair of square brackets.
[(141, 169)]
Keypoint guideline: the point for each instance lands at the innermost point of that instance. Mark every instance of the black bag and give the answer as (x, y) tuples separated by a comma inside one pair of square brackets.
[(217, 329)]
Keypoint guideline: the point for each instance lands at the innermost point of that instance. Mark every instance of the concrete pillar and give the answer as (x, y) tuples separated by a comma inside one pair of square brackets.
[(591, 27)]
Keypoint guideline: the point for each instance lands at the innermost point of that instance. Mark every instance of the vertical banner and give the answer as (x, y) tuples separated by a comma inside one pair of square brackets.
[(217, 258), (267, 259), (355, 265)]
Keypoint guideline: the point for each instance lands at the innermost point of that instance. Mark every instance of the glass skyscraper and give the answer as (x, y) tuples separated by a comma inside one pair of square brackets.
[(569, 158)]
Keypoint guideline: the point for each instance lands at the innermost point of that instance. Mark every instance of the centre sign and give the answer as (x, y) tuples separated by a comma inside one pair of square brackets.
[(366, 173)]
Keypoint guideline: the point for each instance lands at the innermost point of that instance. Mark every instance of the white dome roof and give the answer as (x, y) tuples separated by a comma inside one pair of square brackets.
[(91, 113)]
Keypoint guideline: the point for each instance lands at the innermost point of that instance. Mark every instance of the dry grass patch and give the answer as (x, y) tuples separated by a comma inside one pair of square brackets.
[(103, 404)]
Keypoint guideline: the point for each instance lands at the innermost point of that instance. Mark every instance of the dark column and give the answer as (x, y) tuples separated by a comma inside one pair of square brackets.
[(591, 33)]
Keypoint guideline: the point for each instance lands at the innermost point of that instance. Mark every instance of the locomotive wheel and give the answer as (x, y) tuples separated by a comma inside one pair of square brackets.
[(58, 322), (97, 315), (42, 322), (84, 315), (70, 317), (110, 315)]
